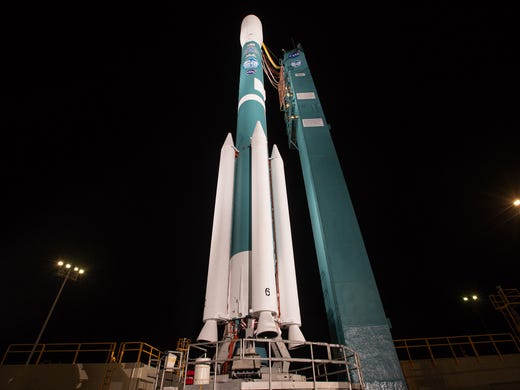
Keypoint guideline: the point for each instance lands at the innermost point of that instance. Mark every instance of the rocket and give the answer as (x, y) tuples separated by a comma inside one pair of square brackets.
[(251, 283)]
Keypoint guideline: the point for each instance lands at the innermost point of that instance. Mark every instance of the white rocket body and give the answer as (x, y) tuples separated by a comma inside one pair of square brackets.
[(258, 283)]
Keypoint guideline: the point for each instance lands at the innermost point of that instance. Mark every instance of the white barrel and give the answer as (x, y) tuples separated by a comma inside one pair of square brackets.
[(202, 369)]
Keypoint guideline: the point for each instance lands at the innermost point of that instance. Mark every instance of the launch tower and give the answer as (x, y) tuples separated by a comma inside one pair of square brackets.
[(354, 309)]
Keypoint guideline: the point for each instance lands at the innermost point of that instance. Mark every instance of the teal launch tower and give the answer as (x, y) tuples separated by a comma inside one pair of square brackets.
[(354, 309)]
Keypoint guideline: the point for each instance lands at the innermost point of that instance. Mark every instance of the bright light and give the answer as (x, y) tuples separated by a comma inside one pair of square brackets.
[(68, 266), (516, 202), (474, 297)]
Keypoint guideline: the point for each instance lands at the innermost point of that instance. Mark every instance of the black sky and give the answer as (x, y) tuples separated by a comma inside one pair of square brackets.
[(112, 122)]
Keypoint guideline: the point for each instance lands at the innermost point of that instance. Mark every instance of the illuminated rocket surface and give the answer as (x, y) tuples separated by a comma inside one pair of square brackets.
[(251, 282)]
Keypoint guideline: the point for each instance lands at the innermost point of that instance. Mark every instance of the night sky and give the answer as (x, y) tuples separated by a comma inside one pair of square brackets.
[(112, 122)]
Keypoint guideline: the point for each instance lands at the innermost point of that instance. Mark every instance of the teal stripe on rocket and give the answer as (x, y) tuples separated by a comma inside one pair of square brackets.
[(251, 109)]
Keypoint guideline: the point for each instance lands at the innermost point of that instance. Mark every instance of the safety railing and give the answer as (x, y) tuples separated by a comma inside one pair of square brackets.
[(456, 347), (73, 353), (267, 359)]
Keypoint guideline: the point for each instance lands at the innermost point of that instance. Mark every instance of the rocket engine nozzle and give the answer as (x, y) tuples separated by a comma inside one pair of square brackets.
[(296, 338), (209, 332), (267, 327)]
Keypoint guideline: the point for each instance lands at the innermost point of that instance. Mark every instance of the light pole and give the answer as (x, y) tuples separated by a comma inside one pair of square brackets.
[(67, 271)]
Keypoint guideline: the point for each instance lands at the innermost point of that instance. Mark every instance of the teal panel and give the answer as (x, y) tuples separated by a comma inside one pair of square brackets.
[(354, 308), (241, 228)]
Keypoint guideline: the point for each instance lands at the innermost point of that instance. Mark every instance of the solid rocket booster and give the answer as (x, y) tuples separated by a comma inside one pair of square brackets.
[(288, 289), (216, 303), (251, 244), (263, 281)]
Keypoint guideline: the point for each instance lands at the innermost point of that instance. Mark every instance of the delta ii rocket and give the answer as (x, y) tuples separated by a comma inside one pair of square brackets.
[(251, 282)]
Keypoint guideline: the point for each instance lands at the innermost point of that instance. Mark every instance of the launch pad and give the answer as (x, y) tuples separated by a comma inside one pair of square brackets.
[(251, 363)]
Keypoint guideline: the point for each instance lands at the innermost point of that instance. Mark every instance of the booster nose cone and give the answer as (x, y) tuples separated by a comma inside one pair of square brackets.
[(251, 30)]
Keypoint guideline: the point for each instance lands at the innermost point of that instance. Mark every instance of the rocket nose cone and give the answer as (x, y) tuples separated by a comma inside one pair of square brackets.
[(251, 30)]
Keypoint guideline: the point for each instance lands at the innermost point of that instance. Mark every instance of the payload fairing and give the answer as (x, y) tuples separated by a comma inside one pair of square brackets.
[(251, 282)]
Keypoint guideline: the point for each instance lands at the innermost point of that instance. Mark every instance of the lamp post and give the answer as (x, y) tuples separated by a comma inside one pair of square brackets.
[(67, 271)]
